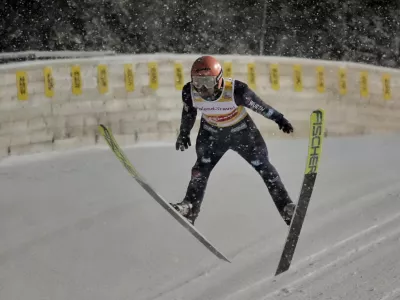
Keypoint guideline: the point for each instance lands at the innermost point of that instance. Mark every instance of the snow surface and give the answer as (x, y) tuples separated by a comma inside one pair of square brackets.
[(76, 226)]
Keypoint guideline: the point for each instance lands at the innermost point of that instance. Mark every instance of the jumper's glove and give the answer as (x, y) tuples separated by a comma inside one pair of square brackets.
[(183, 141), (284, 125)]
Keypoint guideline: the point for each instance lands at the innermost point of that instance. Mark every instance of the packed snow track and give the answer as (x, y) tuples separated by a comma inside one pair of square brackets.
[(76, 226)]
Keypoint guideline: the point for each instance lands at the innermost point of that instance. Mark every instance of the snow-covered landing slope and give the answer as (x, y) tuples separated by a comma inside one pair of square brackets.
[(76, 226)]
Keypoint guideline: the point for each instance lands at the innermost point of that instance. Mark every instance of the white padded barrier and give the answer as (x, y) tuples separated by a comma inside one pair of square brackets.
[(57, 104)]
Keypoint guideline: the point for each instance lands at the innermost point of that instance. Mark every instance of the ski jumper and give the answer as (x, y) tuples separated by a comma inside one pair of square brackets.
[(226, 125)]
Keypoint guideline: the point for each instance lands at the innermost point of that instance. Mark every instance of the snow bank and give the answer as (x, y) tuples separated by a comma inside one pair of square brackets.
[(57, 104)]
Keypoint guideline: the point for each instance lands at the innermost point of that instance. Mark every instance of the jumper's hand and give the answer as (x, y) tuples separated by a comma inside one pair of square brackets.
[(183, 141), (284, 125)]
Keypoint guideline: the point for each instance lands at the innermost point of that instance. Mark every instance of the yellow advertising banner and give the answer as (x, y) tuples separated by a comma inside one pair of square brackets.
[(387, 89), (76, 80), (48, 82), (364, 84), (129, 77), (179, 77), (102, 78), (22, 85), (320, 79), (274, 76), (251, 75), (342, 74), (297, 78), (153, 75), (228, 69)]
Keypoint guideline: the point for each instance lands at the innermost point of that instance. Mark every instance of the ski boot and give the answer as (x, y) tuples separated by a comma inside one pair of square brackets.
[(288, 212), (186, 209)]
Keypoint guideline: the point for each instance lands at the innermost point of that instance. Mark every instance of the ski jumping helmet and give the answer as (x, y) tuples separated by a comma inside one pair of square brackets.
[(206, 75)]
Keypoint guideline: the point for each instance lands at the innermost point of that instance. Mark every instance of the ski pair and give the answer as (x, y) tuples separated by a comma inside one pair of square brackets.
[(317, 124)]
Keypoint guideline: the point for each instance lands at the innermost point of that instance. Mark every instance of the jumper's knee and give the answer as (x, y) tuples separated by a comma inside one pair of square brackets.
[(200, 173), (269, 174)]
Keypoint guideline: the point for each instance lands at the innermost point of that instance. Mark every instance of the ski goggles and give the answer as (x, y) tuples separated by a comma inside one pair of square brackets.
[(207, 81)]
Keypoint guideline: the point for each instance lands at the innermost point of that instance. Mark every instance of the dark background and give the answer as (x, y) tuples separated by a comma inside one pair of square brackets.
[(357, 30)]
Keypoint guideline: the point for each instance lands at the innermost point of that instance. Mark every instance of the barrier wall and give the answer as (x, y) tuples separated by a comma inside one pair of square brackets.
[(57, 104)]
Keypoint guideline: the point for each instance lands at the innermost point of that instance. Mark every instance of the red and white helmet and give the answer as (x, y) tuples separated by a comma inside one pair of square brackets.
[(206, 75)]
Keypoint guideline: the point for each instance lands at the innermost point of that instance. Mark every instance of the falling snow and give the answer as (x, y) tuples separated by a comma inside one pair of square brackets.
[(360, 30)]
